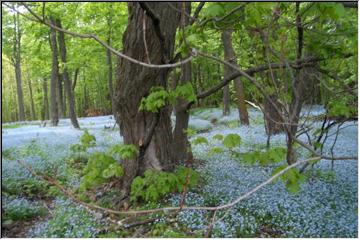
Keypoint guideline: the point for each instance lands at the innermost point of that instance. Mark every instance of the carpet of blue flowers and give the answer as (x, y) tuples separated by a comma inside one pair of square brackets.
[(326, 205)]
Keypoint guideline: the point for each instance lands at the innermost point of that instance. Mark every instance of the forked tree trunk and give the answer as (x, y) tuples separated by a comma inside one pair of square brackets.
[(134, 82), (54, 77), (66, 79), (181, 143), (229, 55)]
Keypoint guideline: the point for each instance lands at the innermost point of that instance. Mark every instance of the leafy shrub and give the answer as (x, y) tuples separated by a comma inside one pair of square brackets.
[(21, 209), (125, 151), (86, 141), (29, 187), (156, 184), (99, 169)]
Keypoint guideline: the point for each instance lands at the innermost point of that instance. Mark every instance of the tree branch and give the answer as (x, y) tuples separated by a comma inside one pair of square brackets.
[(94, 37)]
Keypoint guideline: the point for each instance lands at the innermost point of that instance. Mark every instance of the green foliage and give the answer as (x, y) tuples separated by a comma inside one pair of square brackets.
[(218, 137), (199, 140), (271, 156), (99, 169), (29, 187), (339, 108), (155, 100), (86, 141), (292, 178), (21, 209), (215, 150), (125, 151), (11, 126), (232, 140), (159, 97), (156, 184)]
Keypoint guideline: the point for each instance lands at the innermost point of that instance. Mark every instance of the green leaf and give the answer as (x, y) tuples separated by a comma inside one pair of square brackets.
[(215, 150), (232, 140), (200, 140), (218, 137)]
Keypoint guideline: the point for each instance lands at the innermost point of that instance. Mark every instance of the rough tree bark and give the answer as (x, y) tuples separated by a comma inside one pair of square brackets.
[(229, 55), (54, 77), (181, 143), (17, 65), (66, 78), (134, 82)]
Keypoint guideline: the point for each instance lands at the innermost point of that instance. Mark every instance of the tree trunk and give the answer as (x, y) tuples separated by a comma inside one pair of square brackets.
[(226, 100), (273, 121), (134, 82), (109, 63), (46, 100), (17, 64), (33, 114), (60, 96), (54, 77), (66, 79), (182, 146), (229, 56)]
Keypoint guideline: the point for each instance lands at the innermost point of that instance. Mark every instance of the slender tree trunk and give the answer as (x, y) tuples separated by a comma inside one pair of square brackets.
[(134, 82), (109, 63), (182, 146), (76, 74), (66, 79), (54, 78), (17, 64), (33, 114), (46, 100), (229, 55), (60, 96), (298, 93), (226, 100)]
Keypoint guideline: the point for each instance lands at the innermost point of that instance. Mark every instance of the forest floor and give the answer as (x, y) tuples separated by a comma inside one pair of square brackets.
[(325, 206)]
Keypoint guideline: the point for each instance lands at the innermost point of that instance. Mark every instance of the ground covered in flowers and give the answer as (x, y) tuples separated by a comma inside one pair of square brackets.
[(325, 206)]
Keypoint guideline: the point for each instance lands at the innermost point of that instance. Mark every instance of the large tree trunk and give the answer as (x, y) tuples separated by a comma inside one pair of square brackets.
[(181, 143), (229, 55), (134, 82), (17, 64), (66, 79), (54, 77)]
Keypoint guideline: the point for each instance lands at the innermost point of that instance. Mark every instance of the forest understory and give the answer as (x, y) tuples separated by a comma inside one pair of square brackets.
[(179, 119), (325, 206)]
